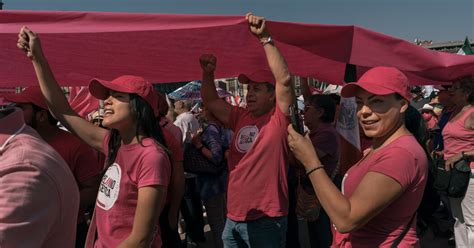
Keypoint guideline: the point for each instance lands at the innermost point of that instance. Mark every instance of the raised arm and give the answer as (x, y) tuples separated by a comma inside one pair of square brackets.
[(218, 107), (285, 95), (54, 97)]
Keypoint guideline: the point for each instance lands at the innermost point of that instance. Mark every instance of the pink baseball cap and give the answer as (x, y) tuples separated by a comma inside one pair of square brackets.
[(127, 84), (380, 81), (31, 94), (260, 76)]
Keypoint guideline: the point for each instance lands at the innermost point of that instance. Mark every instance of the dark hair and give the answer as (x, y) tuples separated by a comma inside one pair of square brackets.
[(467, 84), (336, 98), (415, 123), (51, 119), (433, 95), (416, 90), (145, 122), (326, 103)]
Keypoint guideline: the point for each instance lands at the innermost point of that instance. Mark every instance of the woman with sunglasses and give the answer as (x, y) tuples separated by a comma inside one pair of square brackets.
[(380, 193)]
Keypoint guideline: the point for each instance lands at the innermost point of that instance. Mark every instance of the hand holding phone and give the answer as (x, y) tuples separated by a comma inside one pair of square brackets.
[(296, 120)]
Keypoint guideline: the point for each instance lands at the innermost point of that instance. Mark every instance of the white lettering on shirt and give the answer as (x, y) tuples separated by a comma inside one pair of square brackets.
[(109, 187), (245, 138)]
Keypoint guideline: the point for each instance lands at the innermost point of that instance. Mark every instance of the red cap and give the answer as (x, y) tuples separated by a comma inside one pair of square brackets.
[(31, 94), (261, 76), (380, 81), (126, 84)]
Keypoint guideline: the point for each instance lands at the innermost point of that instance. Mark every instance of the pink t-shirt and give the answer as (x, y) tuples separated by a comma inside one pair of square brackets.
[(257, 163), (457, 138), (39, 198), (174, 145), (135, 166), (405, 161), (80, 157), (166, 124)]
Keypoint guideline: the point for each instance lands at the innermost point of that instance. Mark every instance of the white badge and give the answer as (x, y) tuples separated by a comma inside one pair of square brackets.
[(109, 187), (245, 138)]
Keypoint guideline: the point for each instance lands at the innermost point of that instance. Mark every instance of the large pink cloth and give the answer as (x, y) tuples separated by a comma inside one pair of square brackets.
[(166, 48)]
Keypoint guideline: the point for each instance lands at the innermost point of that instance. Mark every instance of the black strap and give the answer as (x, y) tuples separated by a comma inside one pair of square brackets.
[(404, 232)]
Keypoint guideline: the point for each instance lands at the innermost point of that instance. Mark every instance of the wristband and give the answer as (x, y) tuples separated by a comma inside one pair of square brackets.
[(269, 40), (314, 169)]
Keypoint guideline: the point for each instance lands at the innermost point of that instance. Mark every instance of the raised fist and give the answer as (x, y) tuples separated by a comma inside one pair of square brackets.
[(208, 62), (29, 43), (257, 25)]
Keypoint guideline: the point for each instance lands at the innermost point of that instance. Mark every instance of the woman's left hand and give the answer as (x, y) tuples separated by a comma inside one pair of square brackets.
[(302, 148), (449, 164)]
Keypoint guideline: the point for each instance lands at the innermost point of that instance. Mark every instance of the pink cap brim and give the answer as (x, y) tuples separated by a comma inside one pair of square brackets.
[(350, 90), (100, 88)]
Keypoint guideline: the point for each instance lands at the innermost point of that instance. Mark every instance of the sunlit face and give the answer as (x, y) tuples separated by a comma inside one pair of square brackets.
[(178, 107), (259, 99), (117, 113), (378, 115)]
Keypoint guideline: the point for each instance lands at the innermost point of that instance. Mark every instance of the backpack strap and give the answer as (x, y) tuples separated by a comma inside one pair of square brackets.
[(397, 241)]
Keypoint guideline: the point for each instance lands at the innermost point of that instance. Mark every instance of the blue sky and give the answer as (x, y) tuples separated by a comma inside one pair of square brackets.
[(437, 20)]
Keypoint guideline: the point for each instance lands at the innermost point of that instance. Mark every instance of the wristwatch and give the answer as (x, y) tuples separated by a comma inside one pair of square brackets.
[(269, 40)]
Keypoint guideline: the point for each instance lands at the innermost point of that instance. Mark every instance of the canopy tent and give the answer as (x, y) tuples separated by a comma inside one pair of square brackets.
[(192, 91), (166, 48)]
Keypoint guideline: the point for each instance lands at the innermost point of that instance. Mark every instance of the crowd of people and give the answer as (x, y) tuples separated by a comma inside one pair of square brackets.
[(130, 176)]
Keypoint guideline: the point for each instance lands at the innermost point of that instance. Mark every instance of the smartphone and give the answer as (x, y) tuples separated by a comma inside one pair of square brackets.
[(296, 120)]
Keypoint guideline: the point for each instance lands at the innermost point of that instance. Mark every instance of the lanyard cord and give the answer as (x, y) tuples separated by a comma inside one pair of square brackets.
[(11, 137)]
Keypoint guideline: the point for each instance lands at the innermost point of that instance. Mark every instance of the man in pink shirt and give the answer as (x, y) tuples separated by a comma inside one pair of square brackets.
[(80, 158), (257, 192), (38, 196)]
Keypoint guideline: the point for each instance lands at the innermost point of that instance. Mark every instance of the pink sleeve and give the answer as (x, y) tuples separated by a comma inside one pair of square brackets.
[(29, 206), (155, 169), (87, 164), (398, 164), (105, 144), (281, 119), (235, 114)]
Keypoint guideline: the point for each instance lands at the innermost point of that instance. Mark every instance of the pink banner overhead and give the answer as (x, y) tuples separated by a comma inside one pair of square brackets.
[(166, 48)]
